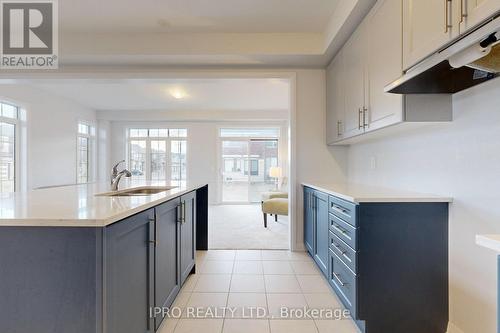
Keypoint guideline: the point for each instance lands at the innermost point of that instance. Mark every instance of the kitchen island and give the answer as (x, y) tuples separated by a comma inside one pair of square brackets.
[(75, 259)]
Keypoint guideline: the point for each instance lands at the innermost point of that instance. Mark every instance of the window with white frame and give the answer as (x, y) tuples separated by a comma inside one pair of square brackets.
[(9, 114), (158, 154), (85, 136)]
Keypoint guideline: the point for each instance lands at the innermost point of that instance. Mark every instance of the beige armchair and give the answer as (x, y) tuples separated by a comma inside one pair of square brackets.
[(275, 203)]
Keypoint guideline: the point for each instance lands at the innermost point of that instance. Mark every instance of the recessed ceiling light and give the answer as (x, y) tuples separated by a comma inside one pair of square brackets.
[(177, 93)]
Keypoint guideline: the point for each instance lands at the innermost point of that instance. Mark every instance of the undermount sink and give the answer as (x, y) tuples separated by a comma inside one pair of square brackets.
[(137, 191)]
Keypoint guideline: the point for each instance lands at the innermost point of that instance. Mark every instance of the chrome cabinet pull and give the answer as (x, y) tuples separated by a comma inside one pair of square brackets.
[(339, 123), (365, 111), (337, 277), (179, 213), (447, 24), (153, 241), (463, 13), (342, 251), (338, 209), (342, 231), (360, 113), (183, 212)]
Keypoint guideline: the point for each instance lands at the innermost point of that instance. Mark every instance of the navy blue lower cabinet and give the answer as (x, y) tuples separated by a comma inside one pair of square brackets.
[(167, 282), (321, 223), (387, 262), (403, 264), (309, 220), (187, 235), (128, 273)]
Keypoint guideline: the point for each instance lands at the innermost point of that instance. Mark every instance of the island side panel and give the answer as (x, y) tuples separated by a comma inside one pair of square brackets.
[(48, 280), (202, 218)]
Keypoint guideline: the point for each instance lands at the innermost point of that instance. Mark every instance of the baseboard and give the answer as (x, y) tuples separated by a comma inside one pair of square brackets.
[(452, 328), (299, 247)]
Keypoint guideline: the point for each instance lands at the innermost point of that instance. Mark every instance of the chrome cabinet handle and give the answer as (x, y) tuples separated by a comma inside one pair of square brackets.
[(179, 213), (342, 251), (463, 13), (183, 211), (365, 110), (153, 241), (447, 24), (360, 113), (342, 231), (339, 131), (338, 209), (337, 277)]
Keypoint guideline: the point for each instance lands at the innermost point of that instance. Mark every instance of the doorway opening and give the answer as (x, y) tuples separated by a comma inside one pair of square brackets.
[(247, 156)]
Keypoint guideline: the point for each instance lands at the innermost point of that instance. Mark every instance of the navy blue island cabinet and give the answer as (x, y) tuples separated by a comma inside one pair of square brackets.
[(97, 280), (387, 261)]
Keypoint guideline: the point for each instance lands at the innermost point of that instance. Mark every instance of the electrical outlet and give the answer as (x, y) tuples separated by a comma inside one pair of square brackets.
[(373, 162)]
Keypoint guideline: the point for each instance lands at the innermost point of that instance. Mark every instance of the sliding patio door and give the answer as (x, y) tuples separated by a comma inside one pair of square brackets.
[(245, 168)]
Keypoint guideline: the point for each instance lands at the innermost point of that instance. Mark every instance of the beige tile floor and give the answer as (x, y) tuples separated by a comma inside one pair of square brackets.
[(248, 279)]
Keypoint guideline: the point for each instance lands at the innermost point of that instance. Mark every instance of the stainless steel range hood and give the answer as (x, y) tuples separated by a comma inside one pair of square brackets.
[(471, 60)]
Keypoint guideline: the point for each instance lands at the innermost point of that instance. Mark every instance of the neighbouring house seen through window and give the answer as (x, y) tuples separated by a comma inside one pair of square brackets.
[(158, 154)]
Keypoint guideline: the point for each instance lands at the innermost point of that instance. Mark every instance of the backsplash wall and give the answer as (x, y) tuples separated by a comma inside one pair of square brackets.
[(460, 159)]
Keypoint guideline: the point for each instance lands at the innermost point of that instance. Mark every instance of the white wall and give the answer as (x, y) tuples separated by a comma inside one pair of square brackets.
[(461, 159), (316, 162), (202, 153), (51, 140)]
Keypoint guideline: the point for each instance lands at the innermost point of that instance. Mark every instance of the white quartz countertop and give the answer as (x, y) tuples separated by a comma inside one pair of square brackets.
[(491, 242), (361, 193), (78, 205)]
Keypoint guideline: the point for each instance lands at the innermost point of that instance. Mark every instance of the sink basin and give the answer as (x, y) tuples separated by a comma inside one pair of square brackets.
[(137, 191)]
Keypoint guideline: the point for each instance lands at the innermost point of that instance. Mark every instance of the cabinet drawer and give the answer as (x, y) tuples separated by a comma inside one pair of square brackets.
[(343, 282), (343, 251), (344, 209), (343, 230)]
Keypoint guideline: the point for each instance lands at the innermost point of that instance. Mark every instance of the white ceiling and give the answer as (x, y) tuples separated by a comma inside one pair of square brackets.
[(201, 94), (228, 16)]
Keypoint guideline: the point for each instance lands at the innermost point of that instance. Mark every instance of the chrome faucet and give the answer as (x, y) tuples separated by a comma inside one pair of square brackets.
[(116, 176)]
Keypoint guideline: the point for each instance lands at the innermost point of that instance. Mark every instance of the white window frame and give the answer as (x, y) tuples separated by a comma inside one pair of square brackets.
[(148, 139), (17, 145), (90, 136), (246, 139)]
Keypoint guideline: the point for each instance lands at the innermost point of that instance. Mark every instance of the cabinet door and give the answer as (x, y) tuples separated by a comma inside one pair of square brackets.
[(129, 273), (353, 81), (308, 220), (187, 235), (167, 278), (473, 12), (321, 231), (335, 103), (384, 64), (427, 26)]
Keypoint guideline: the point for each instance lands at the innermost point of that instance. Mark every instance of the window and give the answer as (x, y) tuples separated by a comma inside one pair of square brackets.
[(85, 137), (158, 154), (8, 133)]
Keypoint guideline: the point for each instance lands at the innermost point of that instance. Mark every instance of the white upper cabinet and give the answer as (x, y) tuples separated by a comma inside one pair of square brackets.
[(427, 26), (335, 103), (354, 82), (384, 64), (473, 12)]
